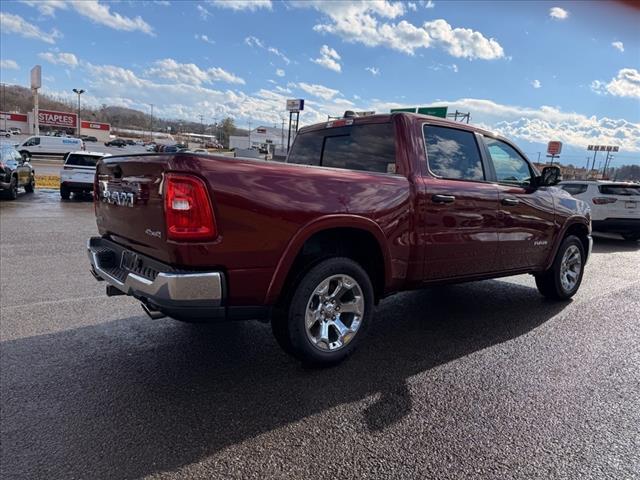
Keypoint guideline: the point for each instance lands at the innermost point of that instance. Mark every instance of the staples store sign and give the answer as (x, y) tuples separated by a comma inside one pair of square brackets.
[(57, 119)]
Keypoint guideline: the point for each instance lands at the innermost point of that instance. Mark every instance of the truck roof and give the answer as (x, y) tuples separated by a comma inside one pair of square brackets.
[(386, 117)]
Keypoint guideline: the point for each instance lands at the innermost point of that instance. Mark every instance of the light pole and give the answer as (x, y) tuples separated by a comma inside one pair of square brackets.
[(79, 92)]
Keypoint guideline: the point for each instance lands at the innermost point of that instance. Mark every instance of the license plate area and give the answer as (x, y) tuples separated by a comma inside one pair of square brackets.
[(130, 261), (630, 204)]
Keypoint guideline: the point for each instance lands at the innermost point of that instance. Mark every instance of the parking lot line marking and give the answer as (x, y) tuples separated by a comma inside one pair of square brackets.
[(51, 302)]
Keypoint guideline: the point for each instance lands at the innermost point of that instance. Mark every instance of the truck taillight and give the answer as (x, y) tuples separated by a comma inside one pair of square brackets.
[(603, 200), (187, 209)]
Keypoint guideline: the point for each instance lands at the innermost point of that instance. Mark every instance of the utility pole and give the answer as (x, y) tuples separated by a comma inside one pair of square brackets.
[(4, 104), (282, 135), (151, 123), (249, 133), (201, 123), (79, 92)]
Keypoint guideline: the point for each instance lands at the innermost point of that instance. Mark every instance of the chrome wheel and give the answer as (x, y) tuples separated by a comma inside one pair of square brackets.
[(570, 268), (334, 313)]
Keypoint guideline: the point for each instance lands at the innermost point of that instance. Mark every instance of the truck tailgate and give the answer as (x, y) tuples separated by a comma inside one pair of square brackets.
[(129, 202)]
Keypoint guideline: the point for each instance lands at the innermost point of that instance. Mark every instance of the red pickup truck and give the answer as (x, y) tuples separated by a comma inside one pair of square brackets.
[(362, 208)]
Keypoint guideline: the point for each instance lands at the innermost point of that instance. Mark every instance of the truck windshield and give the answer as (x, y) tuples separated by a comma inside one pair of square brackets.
[(368, 147)]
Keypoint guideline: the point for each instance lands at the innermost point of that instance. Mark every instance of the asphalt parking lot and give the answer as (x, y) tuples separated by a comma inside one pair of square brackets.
[(483, 380)]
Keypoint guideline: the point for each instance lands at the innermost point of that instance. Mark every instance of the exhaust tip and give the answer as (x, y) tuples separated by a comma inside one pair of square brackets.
[(153, 314)]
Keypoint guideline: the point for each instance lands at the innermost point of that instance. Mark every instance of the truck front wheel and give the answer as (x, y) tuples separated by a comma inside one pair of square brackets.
[(563, 279), (328, 314)]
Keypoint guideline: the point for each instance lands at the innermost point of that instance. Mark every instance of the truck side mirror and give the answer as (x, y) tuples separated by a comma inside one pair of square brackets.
[(550, 176)]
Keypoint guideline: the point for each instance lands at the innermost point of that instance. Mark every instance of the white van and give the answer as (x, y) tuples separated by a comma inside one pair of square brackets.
[(44, 145)]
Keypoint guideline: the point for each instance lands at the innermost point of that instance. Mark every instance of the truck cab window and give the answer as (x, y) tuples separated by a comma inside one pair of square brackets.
[(307, 148), (509, 165), (367, 147), (453, 153)]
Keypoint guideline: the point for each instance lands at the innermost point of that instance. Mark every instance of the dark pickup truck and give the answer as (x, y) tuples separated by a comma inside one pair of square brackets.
[(363, 207)]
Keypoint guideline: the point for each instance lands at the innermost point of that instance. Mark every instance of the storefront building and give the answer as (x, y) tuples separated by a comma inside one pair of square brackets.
[(51, 122)]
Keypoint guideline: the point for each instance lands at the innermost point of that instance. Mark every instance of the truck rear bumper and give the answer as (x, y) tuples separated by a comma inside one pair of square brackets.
[(184, 295)]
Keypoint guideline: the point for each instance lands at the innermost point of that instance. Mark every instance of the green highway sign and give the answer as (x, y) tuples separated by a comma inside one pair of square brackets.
[(433, 111)]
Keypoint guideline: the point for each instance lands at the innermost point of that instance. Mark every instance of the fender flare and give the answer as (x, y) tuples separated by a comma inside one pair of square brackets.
[(577, 219), (317, 225)]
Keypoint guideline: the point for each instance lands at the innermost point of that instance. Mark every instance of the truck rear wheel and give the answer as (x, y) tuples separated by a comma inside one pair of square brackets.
[(328, 314), (563, 279), (65, 194)]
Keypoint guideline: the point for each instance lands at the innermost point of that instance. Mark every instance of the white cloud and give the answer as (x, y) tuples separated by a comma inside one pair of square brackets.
[(625, 84), (454, 67), (60, 58), (366, 23), (280, 72), (101, 14), (618, 45), (541, 124), (95, 11), (190, 73), (329, 58), (463, 42), (429, 4), (10, 23), (375, 71), (319, 91), (119, 86), (251, 5), (557, 13), (536, 84), (9, 64), (47, 8), (203, 12), (204, 38), (256, 42), (412, 6)]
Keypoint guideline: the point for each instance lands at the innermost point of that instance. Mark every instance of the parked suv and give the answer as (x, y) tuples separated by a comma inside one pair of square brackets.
[(363, 208), (78, 172), (615, 206), (15, 172)]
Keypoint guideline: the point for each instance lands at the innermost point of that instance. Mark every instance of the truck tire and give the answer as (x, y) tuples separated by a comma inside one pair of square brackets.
[(328, 314), (65, 194), (563, 279), (30, 187)]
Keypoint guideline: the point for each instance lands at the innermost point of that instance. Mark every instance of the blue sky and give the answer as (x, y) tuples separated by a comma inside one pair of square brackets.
[(534, 71)]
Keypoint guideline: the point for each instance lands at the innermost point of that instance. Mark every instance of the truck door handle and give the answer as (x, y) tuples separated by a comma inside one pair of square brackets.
[(510, 201), (443, 198)]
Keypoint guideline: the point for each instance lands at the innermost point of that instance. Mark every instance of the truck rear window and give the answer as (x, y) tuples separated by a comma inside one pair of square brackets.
[(619, 189), (82, 160), (369, 147)]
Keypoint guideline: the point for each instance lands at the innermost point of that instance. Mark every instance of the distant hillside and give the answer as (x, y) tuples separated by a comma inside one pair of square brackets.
[(16, 98)]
